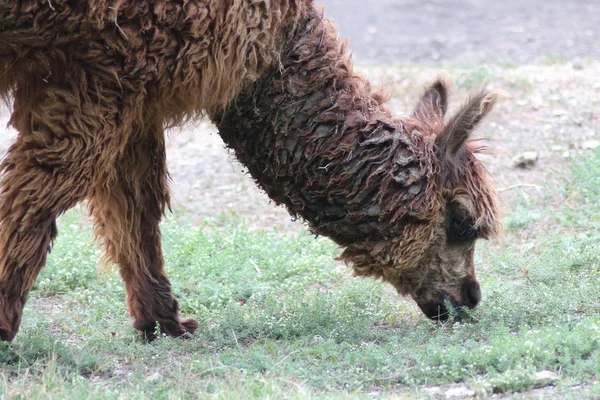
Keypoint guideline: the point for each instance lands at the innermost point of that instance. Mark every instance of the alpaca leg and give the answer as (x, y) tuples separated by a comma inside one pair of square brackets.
[(44, 174), (127, 215)]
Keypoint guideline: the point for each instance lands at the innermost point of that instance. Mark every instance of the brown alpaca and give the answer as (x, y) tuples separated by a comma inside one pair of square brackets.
[(94, 83)]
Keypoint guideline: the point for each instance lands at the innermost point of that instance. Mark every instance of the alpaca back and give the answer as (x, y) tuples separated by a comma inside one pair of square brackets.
[(180, 58)]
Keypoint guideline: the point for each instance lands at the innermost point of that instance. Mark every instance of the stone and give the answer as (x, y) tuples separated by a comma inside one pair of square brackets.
[(545, 378), (433, 390), (590, 144), (459, 392), (154, 377), (526, 159)]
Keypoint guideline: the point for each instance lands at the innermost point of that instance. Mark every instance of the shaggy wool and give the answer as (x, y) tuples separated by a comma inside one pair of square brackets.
[(94, 83)]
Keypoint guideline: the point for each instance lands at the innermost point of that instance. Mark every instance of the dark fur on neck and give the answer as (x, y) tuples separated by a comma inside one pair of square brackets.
[(318, 139)]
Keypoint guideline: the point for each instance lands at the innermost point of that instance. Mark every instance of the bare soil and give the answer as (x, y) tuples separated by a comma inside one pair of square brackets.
[(553, 109), (544, 53), (467, 31)]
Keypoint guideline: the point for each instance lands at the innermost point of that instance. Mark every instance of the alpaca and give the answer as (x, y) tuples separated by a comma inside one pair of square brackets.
[(94, 83)]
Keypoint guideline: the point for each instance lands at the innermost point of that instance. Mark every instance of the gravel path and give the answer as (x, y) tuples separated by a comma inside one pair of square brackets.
[(553, 109), (467, 31)]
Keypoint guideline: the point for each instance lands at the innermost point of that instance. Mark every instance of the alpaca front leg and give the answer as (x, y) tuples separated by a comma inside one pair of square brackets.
[(31, 198), (127, 215), (24, 248), (149, 294), (45, 172)]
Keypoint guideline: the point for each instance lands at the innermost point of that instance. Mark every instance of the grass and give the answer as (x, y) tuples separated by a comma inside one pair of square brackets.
[(279, 318)]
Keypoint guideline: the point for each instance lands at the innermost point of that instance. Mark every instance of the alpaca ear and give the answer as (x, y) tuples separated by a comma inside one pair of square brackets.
[(457, 130), (433, 103)]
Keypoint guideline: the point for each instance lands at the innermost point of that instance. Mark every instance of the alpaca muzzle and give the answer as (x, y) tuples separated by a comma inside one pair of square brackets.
[(447, 305)]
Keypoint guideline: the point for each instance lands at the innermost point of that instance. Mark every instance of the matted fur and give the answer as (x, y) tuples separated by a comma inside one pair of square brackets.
[(94, 83)]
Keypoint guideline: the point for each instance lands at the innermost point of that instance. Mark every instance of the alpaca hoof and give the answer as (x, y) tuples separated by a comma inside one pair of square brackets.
[(175, 328)]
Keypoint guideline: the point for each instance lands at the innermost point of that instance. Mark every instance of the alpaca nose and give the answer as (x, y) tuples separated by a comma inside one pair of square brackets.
[(471, 293)]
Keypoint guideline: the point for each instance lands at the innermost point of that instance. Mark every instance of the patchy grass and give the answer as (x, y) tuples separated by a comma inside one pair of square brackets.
[(280, 318)]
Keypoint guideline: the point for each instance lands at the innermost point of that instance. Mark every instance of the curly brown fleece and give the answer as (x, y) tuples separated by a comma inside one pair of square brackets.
[(94, 83)]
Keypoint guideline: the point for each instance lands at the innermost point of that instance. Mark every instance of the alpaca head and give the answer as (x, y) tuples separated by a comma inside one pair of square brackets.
[(431, 259), (445, 271)]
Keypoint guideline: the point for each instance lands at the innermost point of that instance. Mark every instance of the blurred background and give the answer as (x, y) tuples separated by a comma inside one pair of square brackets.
[(279, 318), (544, 54), (467, 31)]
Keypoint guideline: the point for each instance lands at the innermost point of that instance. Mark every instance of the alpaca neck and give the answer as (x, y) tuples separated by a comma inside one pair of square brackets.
[(316, 138)]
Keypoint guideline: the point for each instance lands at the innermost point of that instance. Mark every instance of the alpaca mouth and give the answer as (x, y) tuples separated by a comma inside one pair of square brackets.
[(441, 311)]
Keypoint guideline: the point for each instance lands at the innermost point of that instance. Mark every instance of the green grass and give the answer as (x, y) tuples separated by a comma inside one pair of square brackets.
[(279, 318)]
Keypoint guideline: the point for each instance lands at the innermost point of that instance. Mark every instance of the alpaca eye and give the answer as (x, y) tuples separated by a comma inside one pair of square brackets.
[(461, 230), (457, 225)]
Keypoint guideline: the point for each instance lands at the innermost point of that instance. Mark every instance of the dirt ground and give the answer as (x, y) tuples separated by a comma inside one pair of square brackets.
[(544, 53), (551, 51), (467, 31)]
